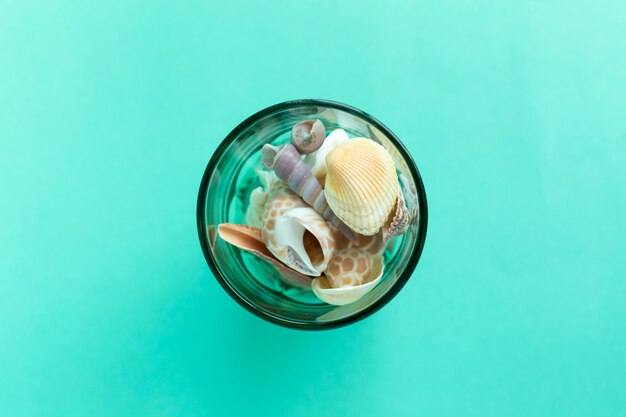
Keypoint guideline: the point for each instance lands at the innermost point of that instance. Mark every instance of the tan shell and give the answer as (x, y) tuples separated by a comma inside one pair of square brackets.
[(351, 274), (295, 233), (249, 239), (349, 268), (374, 245), (361, 185)]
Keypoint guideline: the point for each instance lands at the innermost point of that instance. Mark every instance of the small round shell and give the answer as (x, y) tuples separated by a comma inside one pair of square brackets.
[(308, 136)]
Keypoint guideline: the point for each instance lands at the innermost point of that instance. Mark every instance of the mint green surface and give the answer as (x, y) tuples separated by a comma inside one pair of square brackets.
[(514, 111)]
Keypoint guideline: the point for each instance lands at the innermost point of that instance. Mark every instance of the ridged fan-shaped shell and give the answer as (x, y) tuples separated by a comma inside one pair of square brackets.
[(361, 185)]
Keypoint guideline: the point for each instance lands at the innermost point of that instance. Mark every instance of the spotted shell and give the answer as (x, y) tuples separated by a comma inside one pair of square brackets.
[(349, 268), (295, 233), (361, 185), (351, 274), (374, 245)]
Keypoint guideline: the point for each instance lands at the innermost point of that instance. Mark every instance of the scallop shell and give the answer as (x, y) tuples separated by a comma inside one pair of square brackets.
[(361, 185), (249, 239), (295, 233), (317, 160), (351, 274)]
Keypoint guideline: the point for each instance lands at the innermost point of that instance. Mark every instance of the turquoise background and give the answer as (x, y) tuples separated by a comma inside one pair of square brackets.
[(514, 111)]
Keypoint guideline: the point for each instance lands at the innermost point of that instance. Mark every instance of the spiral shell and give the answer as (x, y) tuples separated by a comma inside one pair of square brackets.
[(308, 136), (295, 233), (361, 185)]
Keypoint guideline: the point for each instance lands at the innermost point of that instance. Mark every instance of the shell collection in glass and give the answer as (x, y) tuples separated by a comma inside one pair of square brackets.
[(325, 212)]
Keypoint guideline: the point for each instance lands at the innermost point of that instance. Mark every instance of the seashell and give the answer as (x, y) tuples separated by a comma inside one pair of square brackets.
[(258, 198), (361, 185), (399, 221), (286, 163), (351, 274), (256, 207), (374, 245), (249, 239), (266, 178), (295, 233), (317, 160), (308, 136), (349, 268)]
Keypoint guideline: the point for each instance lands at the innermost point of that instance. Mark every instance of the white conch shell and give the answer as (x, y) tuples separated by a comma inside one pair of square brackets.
[(317, 160), (249, 239), (361, 185), (295, 233), (351, 274), (258, 198)]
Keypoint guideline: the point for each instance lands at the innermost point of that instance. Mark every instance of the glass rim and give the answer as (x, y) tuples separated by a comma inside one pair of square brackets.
[(416, 251)]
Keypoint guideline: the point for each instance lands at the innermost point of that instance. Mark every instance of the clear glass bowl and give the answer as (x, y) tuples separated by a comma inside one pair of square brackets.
[(223, 198)]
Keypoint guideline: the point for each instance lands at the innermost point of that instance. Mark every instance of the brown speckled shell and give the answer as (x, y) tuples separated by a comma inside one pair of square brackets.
[(281, 199)]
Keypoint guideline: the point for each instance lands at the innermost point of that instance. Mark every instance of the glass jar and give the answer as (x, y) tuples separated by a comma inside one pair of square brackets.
[(231, 175)]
